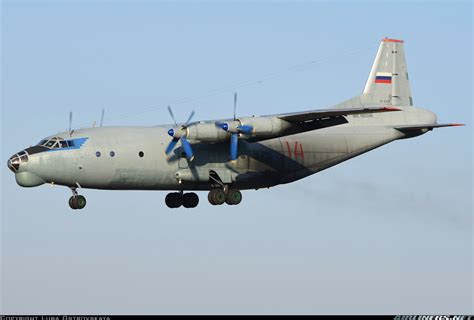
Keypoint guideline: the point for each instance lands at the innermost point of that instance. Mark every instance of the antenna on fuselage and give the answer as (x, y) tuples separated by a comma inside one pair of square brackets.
[(102, 117), (70, 123)]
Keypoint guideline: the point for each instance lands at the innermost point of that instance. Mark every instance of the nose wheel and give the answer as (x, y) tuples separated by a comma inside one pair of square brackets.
[(77, 201)]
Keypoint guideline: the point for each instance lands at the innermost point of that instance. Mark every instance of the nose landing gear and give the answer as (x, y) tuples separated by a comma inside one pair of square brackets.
[(77, 201)]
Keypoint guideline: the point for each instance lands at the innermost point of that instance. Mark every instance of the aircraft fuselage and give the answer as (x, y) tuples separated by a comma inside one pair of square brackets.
[(133, 158)]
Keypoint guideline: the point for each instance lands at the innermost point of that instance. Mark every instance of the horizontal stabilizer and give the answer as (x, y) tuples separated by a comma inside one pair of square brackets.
[(327, 113), (427, 126)]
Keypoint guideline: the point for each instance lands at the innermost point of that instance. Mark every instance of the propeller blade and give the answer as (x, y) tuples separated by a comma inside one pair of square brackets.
[(171, 146), (189, 118), (187, 148), (235, 105), (172, 115), (70, 120), (102, 117), (234, 141), (245, 129)]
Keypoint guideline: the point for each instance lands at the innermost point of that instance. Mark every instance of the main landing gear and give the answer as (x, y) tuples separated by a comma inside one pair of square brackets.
[(77, 201), (178, 199), (217, 197)]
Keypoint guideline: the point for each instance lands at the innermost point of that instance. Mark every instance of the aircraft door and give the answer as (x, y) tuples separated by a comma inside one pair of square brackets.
[(77, 161)]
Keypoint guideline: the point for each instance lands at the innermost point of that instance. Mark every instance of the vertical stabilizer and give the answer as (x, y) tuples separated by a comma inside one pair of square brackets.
[(388, 82)]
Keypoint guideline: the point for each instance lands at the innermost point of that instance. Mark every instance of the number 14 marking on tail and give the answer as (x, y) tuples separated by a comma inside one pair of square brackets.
[(297, 150)]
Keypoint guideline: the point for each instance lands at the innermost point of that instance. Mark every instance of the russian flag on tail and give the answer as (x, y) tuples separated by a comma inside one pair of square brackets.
[(383, 77)]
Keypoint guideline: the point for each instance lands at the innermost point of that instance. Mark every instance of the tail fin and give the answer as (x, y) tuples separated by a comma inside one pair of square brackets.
[(388, 82)]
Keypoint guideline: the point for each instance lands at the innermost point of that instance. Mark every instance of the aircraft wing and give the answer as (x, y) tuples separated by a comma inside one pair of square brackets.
[(327, 113), (427, 126), (299, 122)]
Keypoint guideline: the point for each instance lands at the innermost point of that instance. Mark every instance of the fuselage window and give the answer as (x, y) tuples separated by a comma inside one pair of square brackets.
[(112, 154), (97, 154), (71, 143), (63, 144), (141, 154)]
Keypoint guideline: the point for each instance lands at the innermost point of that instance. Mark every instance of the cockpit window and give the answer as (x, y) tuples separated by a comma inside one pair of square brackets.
[(50, 144), (54, 143)]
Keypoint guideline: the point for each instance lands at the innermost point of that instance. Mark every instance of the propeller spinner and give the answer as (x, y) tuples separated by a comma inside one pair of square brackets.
[(179, 133)]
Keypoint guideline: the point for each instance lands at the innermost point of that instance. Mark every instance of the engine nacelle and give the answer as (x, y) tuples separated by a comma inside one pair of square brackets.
[(207, 132), (260, 127), (264, 127)]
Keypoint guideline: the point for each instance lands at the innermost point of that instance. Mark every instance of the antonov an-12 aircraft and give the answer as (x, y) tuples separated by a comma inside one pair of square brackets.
[(226, 156)]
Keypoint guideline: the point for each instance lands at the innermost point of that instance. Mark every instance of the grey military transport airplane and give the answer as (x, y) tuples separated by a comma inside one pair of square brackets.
[(226, 156)]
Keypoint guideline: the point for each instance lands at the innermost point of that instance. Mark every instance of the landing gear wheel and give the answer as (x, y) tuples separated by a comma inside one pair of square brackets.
[(190, 200), (72, 203), (77, 202), (233, 197), (80, 202), (216, 197), (174, 200)]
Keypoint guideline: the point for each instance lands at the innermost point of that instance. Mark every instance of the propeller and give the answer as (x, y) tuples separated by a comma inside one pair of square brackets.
[(179, 133), (235, 128)]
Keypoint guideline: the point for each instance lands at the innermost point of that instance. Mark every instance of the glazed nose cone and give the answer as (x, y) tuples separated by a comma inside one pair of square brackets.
[(14, 163), (18, 160)]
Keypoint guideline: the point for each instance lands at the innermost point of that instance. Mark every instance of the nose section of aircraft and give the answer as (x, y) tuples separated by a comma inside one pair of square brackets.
[(14, 163), (18, 165)]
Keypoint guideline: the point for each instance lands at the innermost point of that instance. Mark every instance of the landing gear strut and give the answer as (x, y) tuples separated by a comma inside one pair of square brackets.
[(77, 201), (217, 197), (178, 199)]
